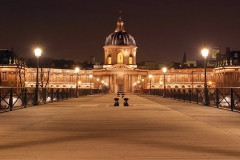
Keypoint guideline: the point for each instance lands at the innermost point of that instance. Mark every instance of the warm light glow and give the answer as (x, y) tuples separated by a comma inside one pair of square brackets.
[(120, 58), (90, 75), (102, 81), (205, 53), (76, 69), (79, 82), (38, 52), (142, 80), (138, 81), (164, 69), (97, 79), (150, 76)]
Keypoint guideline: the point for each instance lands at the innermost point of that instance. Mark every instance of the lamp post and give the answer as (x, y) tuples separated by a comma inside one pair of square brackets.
[(205, 101), (150, 77), (164, 69), (77, 70), (38, 53), (90, 76), (98, 84)]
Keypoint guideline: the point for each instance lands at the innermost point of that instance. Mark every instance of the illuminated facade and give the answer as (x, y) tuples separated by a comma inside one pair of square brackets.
[(119, 71)]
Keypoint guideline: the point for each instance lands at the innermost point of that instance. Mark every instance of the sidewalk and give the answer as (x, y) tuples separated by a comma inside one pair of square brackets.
[(92, 128)]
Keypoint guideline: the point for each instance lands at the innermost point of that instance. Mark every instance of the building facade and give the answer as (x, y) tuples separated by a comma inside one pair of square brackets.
[(119, 71)]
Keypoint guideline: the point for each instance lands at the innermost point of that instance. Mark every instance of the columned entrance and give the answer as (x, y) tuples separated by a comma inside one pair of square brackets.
[(120, 87)]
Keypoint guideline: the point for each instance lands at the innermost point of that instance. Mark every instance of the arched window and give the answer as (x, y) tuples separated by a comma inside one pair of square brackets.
[(130, 59), (109, 59), (120, 58)]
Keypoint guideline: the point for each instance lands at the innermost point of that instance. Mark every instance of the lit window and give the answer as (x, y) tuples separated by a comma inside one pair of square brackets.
[(109, 59), (176, 77), (4, 76), (31, 77), (57, 78), (120, 58), (130, 59), (168, 79), (64, 78)]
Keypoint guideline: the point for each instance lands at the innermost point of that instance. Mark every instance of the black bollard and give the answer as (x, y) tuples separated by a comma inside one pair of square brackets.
[(116, 103), (125, 103), (123, 95)]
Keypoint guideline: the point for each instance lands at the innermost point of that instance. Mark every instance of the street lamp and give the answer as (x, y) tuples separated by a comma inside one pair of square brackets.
[(205, 101), (164, 69), (150, 77), (77, 70), (90, 83), (38, 53)]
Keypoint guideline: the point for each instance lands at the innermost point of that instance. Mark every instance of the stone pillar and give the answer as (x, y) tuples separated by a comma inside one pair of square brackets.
[(125, 83), (130, 84)]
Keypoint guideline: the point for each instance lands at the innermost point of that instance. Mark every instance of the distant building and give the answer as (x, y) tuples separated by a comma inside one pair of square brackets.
[(119, 70), (214, 53), (227, 69)]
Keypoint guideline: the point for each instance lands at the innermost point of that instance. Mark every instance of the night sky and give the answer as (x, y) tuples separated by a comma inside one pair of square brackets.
[(77, 29)]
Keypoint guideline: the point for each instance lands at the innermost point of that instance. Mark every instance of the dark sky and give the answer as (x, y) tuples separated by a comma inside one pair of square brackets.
[(77, 29)]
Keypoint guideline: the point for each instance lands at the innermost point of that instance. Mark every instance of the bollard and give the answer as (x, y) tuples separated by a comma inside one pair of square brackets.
[(118, 94), (125, 101), (116, 103), (123, 95)]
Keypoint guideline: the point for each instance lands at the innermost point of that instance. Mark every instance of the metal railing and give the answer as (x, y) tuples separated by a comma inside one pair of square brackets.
[(220, 97), (15, 97)]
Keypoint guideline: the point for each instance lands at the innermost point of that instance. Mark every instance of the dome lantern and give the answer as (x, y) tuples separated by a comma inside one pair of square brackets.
[(120, 36)]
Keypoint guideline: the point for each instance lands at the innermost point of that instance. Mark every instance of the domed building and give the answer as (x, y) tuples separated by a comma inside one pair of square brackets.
[(120, 48), (120, 65)]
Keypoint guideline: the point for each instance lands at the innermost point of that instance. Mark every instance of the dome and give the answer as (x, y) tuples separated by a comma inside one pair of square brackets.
[(120, 36)]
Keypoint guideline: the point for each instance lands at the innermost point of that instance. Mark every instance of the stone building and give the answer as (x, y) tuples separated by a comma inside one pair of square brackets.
[(227, 69), (119, 71)]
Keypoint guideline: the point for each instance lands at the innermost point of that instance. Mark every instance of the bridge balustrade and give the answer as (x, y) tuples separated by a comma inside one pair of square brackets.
[(20, 97), (224, 97)]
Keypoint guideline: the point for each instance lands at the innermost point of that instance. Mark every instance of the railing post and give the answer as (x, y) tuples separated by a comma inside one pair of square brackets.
[(232, 100), (25, 97), (62, 94), (197, 95), (57, 91), (44, 95), (190, 95), (51, 94), (11, 100), (179, 94), (217, 98), (184, 95)]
